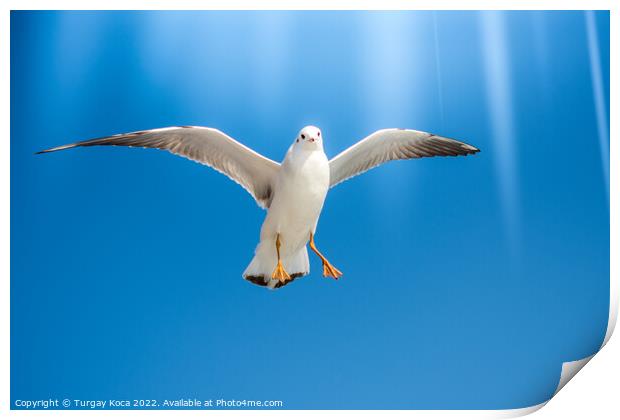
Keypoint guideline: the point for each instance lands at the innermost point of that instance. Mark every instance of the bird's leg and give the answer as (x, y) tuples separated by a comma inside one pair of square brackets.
[(328, 269), (279, 273)]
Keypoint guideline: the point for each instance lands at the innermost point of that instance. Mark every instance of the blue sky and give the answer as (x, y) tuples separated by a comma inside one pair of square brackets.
[(468, 281)]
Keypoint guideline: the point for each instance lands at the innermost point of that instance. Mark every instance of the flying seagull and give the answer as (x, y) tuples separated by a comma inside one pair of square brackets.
[(293, 192)]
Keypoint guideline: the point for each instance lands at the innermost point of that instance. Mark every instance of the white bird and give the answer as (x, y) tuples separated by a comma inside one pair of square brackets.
[(293, 192)]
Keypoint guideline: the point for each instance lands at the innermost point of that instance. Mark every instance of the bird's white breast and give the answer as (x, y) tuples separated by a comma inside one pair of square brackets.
[(298, 198)]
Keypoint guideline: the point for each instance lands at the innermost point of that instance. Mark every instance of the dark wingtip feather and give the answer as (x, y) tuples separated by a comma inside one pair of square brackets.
[(55, 149), (469, 149)]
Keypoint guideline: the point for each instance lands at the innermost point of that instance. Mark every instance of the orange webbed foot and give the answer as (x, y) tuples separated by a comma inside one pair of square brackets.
[(331, 271), (280, 274)]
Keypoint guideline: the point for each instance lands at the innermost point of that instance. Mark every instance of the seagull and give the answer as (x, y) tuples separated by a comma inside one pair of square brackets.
[(292, 192)]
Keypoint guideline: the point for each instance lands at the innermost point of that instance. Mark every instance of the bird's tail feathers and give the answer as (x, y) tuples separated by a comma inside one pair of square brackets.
[(263, 264)]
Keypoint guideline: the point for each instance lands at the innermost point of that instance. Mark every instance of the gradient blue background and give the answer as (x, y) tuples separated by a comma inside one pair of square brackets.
[(468, 281)]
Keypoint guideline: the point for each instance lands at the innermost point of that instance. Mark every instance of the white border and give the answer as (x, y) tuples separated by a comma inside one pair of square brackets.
[(568, 369)]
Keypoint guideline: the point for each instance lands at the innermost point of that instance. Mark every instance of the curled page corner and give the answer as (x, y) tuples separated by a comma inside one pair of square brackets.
[(570, 369)]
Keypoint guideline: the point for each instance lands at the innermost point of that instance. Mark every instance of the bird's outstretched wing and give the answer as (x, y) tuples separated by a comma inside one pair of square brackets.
[(392, 144), (208, 146)]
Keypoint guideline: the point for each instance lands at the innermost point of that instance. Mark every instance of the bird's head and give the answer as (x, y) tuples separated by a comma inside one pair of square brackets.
[(309, 138)]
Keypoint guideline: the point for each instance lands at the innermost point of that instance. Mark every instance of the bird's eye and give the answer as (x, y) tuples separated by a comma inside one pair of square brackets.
[(303, 136), (319, 134)]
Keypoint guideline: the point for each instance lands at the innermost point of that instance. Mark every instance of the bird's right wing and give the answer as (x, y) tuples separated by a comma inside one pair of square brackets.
[(254, 172)]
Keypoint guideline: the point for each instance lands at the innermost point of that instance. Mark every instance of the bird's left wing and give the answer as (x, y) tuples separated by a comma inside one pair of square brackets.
[(254, 172), (392, 144)]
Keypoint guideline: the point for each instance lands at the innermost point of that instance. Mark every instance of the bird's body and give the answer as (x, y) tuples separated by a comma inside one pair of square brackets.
[(294, 191), (300, 190)]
